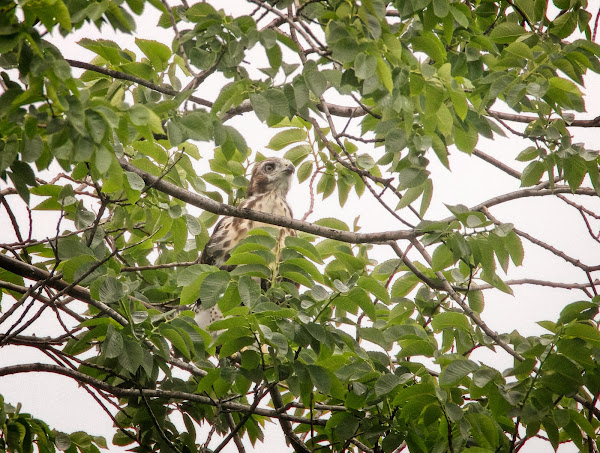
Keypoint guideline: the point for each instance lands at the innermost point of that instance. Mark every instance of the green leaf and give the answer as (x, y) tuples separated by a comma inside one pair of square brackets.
[(476, 301), (585, 332), (158, 54), (296, 273), (515, 248), (466, 138), (213, 287), (198, 12), (278, 102), (249, 290), (456, 371), (96, 125), (404, 285), (564, 25), (135, 181), (430, 44), (450, 320), (108, 50), (304, 171), (529, 153), (113, 344), (561, 375), (132, 356), (459, 103), (62, 441), (365, 66), (230, 96), (260, 105), (321, 378), (334, 223), (297, 154), (506, 32), (315, 79), (286, 137), (387, 383), (171, 334), (374, 287), (384, 74), (304, 247), (111, 290), (195, 125), (533, 173), (442, 258)]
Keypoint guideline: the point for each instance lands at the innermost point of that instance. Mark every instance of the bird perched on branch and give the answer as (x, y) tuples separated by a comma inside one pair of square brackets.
[(267, 191)]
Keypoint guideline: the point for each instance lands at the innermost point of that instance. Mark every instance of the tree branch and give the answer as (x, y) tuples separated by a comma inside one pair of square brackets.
[(78, 292), (152, 393), (164, 89), (533, 281), (336, 110), (286, 426), (224, 209)]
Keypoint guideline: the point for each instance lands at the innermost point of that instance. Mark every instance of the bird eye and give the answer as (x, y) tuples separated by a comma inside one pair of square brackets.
[(269, 168)]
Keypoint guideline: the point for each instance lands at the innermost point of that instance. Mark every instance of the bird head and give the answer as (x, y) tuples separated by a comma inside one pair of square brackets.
[(271, 175)]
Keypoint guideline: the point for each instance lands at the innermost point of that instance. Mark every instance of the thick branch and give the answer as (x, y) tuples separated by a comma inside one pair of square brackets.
[(286, 426), (224, 209), (594, 122), (78, 292)]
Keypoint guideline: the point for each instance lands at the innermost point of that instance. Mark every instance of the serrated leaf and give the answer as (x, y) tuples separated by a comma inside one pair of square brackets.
[(111, 290), (249, 290), (304, 171), (442, 258), (404, 285), (387, 383), (456, 371), (176, 339), (213, 287), (157, 53), (113, 344), (297, 154), (334, 223), (304, 247), (450, 320), (585, 332), (384, 74), (374, 287), (506, 32), (514, 248), (533, 173), (314, 78), (286, 137), (430, 44), (365, 65), (476, 301)]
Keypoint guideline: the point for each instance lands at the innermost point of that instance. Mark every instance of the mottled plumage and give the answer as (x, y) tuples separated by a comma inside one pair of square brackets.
[(269, 185)]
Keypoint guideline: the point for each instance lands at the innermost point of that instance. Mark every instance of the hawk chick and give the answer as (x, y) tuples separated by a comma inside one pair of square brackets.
[(269, 185)]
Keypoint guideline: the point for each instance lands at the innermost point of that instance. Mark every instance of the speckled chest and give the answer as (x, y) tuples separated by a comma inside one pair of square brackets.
[(231, 230)]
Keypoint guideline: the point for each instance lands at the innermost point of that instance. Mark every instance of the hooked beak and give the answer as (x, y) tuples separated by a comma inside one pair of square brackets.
[(289, 168)]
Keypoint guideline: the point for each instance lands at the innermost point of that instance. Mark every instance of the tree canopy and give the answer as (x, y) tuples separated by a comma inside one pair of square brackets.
[(364, 341)]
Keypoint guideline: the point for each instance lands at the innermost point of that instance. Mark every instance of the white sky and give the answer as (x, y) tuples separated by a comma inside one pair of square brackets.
[(58, 400)]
